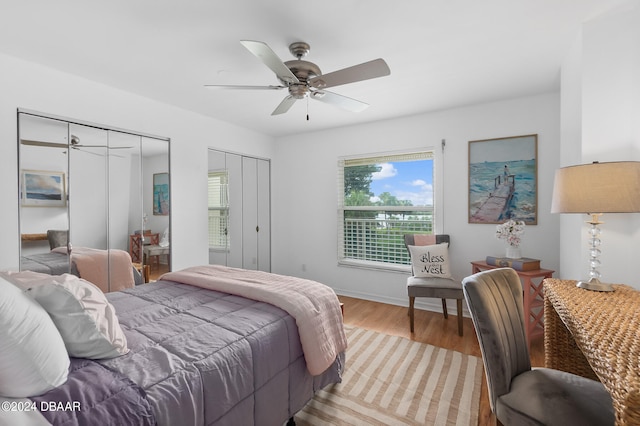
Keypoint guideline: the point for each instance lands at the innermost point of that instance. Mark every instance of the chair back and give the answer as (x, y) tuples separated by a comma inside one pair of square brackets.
[(57, 238), (410, 239), (494, 298)]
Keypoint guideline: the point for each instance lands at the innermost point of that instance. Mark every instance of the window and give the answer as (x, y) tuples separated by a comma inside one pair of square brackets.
[(381, 199), (218, 210)]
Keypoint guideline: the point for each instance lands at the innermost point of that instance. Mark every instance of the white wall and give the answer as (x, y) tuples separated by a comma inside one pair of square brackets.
[(305, 191), (31, 86), (600, 122)]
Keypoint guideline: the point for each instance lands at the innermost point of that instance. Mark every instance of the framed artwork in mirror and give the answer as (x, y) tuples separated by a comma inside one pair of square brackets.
[(42, 188), (503, 180), (161, 194)]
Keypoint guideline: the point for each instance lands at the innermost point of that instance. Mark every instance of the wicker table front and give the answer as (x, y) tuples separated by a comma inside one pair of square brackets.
[(596, 335)]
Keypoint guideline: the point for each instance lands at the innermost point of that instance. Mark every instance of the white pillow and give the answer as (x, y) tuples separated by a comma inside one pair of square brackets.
[(430, 261), (81, 312), (33, 358)]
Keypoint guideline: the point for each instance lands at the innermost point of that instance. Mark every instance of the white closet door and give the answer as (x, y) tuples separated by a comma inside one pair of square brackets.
[(264, 215), (236, 207), (250, 227), (217, 163)]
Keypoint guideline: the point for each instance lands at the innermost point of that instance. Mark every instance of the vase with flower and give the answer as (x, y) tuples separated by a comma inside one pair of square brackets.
[(511, 232)]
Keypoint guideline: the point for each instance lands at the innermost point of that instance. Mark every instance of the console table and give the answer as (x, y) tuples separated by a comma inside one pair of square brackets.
[(596, 335), (533, 298)]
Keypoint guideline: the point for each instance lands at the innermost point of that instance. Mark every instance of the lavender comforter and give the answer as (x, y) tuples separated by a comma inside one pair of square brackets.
[(209, 358)]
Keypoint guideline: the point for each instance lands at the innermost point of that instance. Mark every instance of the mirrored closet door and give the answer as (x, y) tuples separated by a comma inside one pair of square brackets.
[(87, 190)]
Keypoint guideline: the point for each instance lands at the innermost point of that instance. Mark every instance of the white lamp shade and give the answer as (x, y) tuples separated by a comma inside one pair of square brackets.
[(597, 188)]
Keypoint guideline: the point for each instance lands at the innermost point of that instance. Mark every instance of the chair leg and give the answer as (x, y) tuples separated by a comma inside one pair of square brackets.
[(412, 299), (459, 306), (444, 308)]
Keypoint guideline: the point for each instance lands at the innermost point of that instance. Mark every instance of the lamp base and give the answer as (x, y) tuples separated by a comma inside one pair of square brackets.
[(594, 284)]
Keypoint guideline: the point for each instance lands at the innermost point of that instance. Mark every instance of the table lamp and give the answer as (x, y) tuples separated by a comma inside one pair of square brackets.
[(595, 189)]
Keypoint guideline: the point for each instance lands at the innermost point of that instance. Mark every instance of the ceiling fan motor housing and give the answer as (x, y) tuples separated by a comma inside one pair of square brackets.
[(303, 70)]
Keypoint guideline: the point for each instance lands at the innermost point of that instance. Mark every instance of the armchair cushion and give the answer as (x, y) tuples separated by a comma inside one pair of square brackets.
[(430, 261)]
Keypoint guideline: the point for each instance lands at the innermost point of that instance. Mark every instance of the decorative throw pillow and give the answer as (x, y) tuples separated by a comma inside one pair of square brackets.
[(430, 261), (84, 317), (33, 358)]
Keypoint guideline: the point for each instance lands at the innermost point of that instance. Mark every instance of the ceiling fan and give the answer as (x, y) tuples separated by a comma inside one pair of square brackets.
[(303, 79), (75, 144)]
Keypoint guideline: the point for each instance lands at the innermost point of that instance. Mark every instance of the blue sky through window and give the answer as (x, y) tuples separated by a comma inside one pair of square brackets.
[(406, 180)]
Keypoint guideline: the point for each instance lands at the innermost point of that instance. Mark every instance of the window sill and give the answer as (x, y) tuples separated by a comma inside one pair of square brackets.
[(377, 266)]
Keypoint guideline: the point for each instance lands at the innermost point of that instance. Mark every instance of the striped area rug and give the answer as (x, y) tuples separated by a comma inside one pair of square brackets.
[(390, 380)]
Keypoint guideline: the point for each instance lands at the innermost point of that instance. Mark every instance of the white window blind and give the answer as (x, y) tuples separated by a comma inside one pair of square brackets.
[(380, 199)]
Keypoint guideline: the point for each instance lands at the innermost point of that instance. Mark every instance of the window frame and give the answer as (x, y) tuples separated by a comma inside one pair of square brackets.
[(436, 209)]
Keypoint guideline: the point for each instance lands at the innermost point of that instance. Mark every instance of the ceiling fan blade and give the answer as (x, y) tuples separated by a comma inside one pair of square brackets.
[(45, 144), (75, 145), (365, 71), (98, 154), (237, 87), (339, 100), (284, 105), (270, 59)]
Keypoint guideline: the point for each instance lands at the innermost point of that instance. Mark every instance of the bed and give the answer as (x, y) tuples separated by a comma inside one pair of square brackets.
[(86, 263), (48, 263), (201, 356)]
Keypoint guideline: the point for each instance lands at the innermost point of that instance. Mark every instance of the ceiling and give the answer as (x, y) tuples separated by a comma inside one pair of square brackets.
[(442, 54)]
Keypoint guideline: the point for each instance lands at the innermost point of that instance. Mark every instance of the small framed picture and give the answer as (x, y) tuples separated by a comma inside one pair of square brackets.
[(503, 180), (161, 194), (41, 188)]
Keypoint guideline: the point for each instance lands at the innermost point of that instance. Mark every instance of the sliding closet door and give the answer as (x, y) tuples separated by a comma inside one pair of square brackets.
[(256, 235), (239, 225), (264, 215), (234, 170), (250, 227)]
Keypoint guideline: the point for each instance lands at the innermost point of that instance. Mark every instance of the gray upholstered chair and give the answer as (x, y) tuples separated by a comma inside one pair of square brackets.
[(520, 395), (57, 238), (441, 288)]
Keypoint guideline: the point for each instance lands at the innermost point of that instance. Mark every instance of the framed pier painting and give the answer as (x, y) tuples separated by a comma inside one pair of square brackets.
[(503, 180)]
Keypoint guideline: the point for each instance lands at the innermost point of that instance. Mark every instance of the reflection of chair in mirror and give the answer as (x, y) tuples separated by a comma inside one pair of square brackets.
[(57, 238), (519, 394), (152, 252), (152, 255)]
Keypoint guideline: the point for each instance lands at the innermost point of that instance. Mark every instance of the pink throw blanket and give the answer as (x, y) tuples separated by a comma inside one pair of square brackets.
[(110, 270), (314, 306)]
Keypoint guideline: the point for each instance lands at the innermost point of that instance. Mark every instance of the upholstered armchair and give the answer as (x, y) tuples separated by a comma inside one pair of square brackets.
[(518, 394)]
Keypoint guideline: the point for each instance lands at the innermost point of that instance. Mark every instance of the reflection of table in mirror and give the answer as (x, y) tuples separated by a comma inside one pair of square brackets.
[(136, 243), (144, 271)]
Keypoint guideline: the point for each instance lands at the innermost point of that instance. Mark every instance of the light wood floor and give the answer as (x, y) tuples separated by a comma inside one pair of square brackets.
[(431, 328)]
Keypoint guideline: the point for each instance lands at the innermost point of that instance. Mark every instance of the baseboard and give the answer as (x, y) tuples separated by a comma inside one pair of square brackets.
[(424, 303)]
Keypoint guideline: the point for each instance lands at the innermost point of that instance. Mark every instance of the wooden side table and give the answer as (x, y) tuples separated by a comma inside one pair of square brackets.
[(533, 296)]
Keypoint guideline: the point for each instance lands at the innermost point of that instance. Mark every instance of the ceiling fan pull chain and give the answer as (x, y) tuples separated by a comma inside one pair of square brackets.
[(307, 108)]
